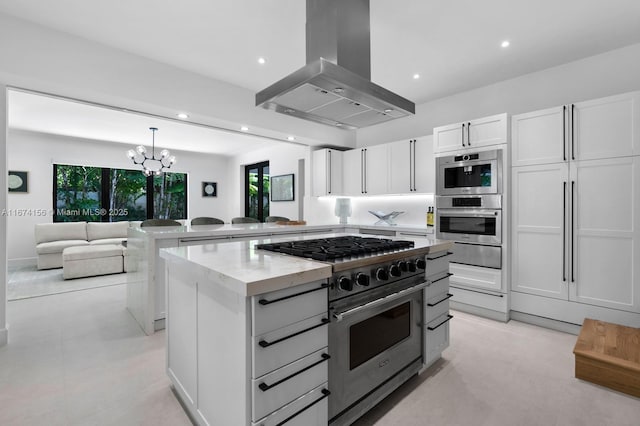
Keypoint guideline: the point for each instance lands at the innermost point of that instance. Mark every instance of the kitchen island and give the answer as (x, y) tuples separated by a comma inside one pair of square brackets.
[(247, 335), (145, 280)]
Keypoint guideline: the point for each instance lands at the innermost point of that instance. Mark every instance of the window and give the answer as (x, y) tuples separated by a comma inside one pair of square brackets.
[(256, 198), (109, 195)]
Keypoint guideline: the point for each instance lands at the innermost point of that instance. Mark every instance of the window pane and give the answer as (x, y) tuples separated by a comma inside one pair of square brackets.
[(253, 193), (265, 192), (77, 193), (128, 195), (170, 196)]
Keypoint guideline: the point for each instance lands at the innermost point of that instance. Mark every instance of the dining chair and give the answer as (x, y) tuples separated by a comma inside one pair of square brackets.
[(207, 221), (244, 220), (276, 219), (160, 222)]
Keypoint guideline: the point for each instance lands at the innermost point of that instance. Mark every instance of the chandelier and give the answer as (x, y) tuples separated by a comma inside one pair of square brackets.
[(152, 165)]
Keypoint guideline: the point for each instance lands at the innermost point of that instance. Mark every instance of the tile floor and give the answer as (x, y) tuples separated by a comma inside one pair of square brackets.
[(79, 358)]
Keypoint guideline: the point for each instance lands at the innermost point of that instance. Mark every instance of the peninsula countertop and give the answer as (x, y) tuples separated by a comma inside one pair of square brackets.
[(247, 271)]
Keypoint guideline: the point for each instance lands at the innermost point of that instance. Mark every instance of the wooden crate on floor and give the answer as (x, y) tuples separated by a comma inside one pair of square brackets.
[(609, 355)]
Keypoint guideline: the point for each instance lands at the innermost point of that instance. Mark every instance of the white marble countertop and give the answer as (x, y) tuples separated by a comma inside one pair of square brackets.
[(248, 229), (239, 266)]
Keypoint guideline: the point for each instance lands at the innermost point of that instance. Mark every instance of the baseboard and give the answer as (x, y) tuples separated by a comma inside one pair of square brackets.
[(481, 312), (565, 327), (22, 262), (4, 336)]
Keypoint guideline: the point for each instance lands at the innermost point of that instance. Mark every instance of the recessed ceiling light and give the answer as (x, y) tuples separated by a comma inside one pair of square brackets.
[(291, 138), (244, 128), (505, 43), (261, 60), (183, 116), (416, 76)]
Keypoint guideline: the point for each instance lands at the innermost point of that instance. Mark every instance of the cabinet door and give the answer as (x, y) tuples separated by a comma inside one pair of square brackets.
[(539, 137), (376, 169), (606, 240), (401, 167), (607, 127), (487, 131), (352, 172), (449, 138), (327, 172), (424, 165), (539, 237)]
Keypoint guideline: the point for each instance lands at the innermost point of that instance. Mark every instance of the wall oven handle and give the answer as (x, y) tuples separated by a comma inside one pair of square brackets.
[(325, 393), (342, 315), (264, 302), (449, 296), (462, 134), (264, 344), (441, 256), (449, 316), (265, 387)]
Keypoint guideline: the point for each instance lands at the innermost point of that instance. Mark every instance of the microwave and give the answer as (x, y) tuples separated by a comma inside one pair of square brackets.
[(469, 173)]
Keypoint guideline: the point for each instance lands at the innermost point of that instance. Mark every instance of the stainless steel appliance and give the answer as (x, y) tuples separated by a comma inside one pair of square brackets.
[(475, 223), (376, 328), (469, 173)]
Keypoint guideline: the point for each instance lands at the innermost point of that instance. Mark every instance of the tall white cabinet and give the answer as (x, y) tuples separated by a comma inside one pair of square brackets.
[(576, 211)]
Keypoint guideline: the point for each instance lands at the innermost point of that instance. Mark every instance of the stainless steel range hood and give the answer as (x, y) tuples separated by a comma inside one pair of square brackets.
[(334, 88)]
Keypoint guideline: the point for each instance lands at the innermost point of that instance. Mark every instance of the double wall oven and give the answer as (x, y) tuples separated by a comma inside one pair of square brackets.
[(469, 206)]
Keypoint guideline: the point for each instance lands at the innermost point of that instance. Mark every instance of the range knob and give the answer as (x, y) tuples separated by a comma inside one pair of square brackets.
[(362, 279), (345, 283), (394, 271), (404, 267), (421, 263), (381, 274), (411, 266)]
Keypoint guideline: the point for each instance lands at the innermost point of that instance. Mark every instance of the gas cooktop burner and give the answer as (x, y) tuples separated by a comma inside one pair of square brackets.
[(337, 248)]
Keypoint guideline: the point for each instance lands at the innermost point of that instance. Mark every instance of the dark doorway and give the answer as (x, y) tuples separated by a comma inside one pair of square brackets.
[(256, 196)]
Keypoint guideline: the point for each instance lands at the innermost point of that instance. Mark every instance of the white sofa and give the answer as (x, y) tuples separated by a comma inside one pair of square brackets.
[(53, 238)]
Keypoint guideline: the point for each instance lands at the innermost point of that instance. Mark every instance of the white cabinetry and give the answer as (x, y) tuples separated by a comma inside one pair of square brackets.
[(486, 131), (412, 166), (327, 172), (576, 227), (366, 170)]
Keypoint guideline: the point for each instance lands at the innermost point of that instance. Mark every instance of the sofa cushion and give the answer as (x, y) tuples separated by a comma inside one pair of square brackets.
[(59, 246), (116, 241), (102, 230), (46, 232), (92, 252)]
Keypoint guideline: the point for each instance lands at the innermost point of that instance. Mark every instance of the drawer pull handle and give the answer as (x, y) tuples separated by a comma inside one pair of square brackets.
[(265, 387), (441, 256), (442, 278), (449, 316), (264, 302), (325, 393), (449, 295), (265, 344)]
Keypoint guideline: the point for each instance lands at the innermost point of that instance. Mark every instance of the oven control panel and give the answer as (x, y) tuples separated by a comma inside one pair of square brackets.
[(369, 277)]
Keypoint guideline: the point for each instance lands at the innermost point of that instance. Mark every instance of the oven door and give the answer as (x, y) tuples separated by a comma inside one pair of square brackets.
[(478, 175), (371, 345), (470, 225)]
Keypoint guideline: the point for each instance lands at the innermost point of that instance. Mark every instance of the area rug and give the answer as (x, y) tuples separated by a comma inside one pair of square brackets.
[(26, 282)]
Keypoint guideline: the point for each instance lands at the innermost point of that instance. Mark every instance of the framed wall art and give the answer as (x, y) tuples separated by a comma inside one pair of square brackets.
[(282, 187), (209, 189), (18, 181)]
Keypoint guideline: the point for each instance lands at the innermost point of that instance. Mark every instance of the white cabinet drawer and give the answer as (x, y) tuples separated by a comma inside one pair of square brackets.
[(436, 306), (438, 262), (436, 338), (277, 309), (286, 384), (474, 276), (310, 409), (280, 347), (438, 287)]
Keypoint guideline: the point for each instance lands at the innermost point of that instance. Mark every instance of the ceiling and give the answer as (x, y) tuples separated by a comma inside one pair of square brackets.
[(454, 45)]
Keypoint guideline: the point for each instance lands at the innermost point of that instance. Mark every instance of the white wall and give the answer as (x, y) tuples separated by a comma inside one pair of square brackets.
[(613, 72), (37, 152), (282, 160)]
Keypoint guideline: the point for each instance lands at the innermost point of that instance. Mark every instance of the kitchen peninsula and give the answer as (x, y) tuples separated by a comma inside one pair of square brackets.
[(242, 320), (145, 280)]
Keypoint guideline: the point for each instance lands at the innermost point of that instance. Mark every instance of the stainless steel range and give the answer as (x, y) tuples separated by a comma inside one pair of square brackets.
[(376, 328)]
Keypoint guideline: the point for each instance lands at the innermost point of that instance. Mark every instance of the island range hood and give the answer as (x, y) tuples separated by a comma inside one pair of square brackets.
[(335, 87)]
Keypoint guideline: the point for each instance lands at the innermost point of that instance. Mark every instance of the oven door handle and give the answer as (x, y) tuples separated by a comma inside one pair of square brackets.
[(342, 315)]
